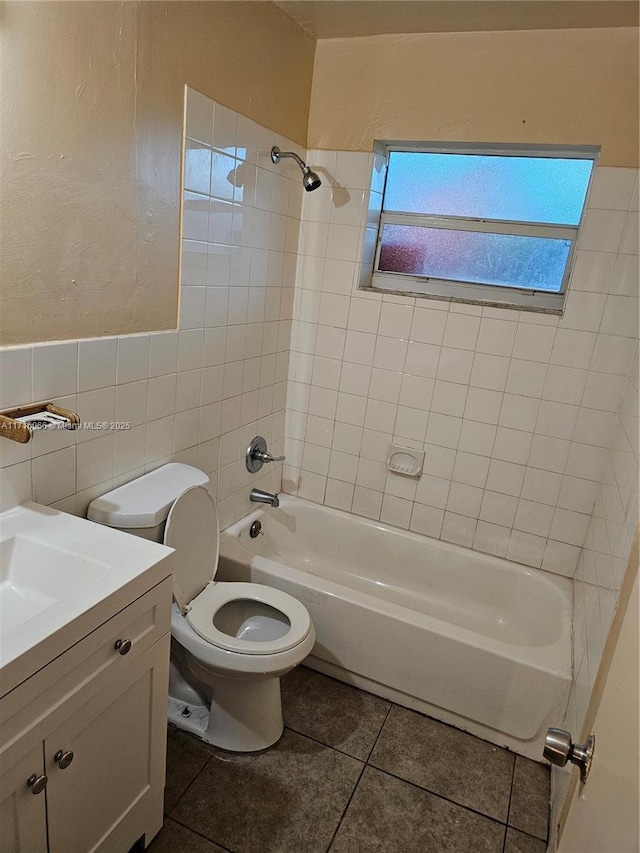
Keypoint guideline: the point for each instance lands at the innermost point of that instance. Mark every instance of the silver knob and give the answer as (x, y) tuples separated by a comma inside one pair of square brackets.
[(559, 748), (122, 646), (63, 758), (267, 457), (37, 783)]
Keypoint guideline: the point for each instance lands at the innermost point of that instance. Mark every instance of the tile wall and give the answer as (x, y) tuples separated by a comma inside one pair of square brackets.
[(197, 394), (601, 566), (606, 550), (516, 410)]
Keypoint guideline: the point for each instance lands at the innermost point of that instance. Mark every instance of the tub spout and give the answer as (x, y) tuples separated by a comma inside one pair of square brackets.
[(261, 497)]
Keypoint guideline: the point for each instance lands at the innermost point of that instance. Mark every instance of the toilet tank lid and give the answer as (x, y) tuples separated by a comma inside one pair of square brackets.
[(146, 501)]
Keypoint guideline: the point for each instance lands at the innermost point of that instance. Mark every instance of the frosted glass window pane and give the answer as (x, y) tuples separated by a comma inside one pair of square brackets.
[(525, 189), (507, 260)]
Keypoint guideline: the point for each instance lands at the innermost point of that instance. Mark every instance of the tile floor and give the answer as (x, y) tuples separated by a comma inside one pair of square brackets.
[(352, 774)]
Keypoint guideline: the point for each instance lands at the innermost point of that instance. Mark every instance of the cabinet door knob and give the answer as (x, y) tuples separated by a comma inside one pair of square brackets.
[(37, 783), (63, 758), (123, 646)]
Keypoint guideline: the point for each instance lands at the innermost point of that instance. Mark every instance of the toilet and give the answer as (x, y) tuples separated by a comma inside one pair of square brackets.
[(230, 642)]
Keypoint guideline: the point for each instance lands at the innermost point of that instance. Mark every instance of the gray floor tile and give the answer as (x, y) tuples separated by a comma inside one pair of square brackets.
[(518, 842), (448, 762), (174, 838), (332, 712), (288, 799), (185, 759), (530, 798), (387, 815)]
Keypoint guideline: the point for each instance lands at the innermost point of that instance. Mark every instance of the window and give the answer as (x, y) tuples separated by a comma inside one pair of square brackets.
[(494, 225)]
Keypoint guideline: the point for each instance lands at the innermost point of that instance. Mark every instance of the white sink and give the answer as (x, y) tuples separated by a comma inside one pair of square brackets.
[(35, 575), (55, 569)]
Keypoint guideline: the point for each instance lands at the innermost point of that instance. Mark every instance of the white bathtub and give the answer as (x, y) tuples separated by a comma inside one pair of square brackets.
[(470, 639)]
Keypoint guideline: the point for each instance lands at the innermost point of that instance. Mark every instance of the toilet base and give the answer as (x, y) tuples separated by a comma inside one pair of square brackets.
[(245, 714), (188, 717)]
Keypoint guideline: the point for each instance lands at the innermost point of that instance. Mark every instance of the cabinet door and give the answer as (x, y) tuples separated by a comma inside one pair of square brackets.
[(112, 790), (23, 814)]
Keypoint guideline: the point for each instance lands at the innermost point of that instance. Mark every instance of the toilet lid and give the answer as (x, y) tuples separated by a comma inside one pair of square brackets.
[(204, 607), (192, 529)]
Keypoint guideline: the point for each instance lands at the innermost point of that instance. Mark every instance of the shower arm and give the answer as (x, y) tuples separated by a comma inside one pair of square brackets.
[(277, 154), (310, 180)]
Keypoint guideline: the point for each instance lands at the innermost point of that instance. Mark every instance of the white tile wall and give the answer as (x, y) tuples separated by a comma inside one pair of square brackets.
[(515, 410), (606, 547), (603, 559), (198, 394)]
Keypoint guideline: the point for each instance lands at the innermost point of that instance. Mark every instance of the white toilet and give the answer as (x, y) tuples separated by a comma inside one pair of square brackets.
[(231, 642)]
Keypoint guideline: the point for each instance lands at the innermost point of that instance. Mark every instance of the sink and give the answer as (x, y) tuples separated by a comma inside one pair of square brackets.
[(56, 572), (35, 575)]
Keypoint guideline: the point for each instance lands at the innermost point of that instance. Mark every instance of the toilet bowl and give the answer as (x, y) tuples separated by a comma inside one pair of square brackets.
[(231, 642)]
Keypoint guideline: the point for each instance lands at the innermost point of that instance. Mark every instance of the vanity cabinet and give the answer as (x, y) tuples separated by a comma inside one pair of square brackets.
[(83, 741), (23, 817)]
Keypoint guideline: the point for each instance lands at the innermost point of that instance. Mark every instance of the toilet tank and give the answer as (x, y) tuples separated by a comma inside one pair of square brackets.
[(141, 507)]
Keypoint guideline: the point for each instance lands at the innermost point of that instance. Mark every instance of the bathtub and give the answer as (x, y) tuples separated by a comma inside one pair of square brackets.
[(473, 640)]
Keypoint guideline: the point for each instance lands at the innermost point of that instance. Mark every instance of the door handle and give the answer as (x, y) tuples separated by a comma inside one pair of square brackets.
[(559, 748)]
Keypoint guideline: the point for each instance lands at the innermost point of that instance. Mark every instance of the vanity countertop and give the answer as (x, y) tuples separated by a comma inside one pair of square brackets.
[(60, 578)]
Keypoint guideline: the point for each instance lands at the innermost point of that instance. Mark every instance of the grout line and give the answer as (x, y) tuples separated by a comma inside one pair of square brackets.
[(188, 787), (529, 835), (440, 796), (200, 835), (386, 717), (337, 748), (355, 787), (513, 776), (327, 745)]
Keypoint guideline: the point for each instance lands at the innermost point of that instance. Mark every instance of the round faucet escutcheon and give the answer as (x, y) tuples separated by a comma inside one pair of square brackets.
[(256, 530)]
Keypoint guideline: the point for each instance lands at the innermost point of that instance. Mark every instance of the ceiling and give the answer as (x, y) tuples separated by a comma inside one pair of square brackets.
[(327, 19)]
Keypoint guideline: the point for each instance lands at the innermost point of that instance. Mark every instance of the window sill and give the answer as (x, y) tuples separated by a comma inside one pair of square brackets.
[(546, 303)]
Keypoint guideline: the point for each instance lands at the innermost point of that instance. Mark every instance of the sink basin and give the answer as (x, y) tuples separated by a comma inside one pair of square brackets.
[(56, 572), (35, 575)]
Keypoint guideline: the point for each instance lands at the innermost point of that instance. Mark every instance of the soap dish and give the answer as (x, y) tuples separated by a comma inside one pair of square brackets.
[(405, 460)]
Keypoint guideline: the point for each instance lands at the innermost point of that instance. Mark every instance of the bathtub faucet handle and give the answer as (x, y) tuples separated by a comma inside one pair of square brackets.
[(267, 457), (257, 454)]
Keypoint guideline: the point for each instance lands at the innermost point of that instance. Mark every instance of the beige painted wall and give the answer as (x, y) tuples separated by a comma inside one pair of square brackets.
[(90, 140), (552, 86)]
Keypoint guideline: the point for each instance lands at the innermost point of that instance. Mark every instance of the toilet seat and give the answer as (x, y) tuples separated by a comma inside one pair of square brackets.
[(192, 530), (205, 606)]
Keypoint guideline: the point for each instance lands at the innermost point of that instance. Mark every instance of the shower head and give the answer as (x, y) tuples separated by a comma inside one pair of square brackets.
[(310, 181)]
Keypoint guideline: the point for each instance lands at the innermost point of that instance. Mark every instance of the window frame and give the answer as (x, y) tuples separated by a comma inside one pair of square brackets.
[(500, 296)]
